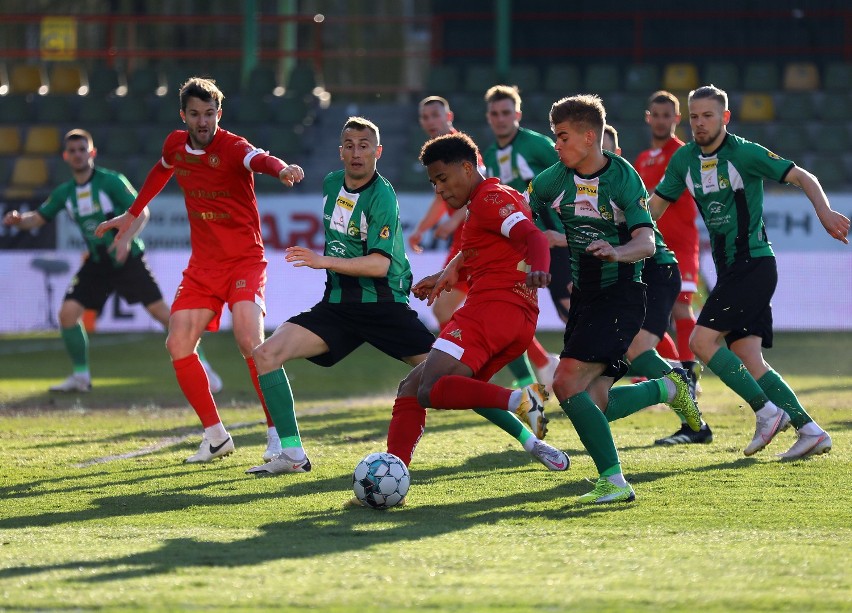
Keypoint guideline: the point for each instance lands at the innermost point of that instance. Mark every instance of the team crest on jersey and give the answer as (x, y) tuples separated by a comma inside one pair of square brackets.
[(505, 211), (213, 160), (773, 155), (352, 230), (346, 203), (457, 333), (240, 284), (493, 198), (643, 203), (724, 183), (384, 233)]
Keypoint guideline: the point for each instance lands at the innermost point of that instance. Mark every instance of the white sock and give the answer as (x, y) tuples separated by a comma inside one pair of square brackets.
[(671, 388), (515, 400), (216, 433), (531, 441), (768, 409), (295, 453), (272, 435), (618, 480), (83, 374), (811, 429), (675, 363)]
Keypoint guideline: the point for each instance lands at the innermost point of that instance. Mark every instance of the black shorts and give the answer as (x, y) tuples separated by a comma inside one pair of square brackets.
[(391, 327), (95, 281), (740, 302), (602, 323), (663, 287), (560, 277)]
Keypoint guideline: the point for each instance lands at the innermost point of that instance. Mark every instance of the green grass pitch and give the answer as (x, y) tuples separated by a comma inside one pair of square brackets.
[(98, 511)]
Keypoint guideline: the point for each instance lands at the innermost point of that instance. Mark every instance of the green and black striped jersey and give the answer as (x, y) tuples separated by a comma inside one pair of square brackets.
[(357, 223), (728, 187)]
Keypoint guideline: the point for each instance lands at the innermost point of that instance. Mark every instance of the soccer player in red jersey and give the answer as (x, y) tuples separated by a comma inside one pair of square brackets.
[(214, 169), (505, 259), (678, 226)]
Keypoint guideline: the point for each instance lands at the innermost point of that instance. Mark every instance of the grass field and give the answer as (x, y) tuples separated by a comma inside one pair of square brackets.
[(486, 527)]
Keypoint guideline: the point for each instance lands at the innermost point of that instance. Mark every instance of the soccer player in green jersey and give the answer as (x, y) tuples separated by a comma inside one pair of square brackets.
[(516, 156), (724, 174), (662, 278), (602, 207), (94, 195)]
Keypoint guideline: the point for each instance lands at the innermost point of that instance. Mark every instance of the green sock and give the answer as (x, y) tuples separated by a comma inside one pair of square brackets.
[(77, 345), (522, 371), (626, 400), (279, 402), (200, 352), (784, 397), (508, 422), (593, 429), (650, 364), (733, 373)]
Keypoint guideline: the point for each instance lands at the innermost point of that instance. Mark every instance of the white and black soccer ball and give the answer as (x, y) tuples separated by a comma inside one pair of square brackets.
[(381, 480)]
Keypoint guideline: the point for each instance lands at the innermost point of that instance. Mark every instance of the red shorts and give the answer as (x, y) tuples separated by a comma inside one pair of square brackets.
[(211, 288), (488, 335)]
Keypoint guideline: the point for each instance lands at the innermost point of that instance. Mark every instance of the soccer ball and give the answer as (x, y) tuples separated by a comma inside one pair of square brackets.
[(381, 480)]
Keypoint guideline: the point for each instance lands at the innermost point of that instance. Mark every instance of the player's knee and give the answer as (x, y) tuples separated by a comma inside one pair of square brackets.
[(564, 388), (264, 358)]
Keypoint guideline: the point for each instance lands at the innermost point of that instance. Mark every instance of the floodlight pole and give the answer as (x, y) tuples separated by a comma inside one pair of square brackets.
[(502, 36)]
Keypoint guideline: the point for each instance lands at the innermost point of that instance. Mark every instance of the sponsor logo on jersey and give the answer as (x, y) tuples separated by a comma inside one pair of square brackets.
[(345, 203), (384, 233), (584, 208), (457, 334), (586, 189), (182, 172), (352, 230), (192, 159), (774, 156), (715, 207), (209, 215), (708, 165), (336, 248), (240, 284), (213, 160)]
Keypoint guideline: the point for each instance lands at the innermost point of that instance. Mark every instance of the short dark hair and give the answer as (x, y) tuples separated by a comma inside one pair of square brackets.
[(201, 88), (450, 149), (584, 109), (435, 100), (613, 134), (712, 92), (361, 123), (78, 134), (504, 92), (661, 97)]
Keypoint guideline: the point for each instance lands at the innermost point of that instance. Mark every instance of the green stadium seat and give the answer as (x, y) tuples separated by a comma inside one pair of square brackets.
[(301, 81), (838, 77), (55, 109), (252, 110), (536, 108), (642, 78), (442, 81), (262, 80), (755, 132), (725, 75), (94, 109), (526, 77), (121, 141), (143, 82), (791, 140), (103, 81), (479, 77), (562, 80), (468, 109), (15, 108), (796, 106), (168, 112), (632, 138), (290, 110), (133, 109), (601, 79), (283, 142), (228, 78), (831, 172), (627, 108), (177, 73), (761, 77), (835, 106), (832, 138)]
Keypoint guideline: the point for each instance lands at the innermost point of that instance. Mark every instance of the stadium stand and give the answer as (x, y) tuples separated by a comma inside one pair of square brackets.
[(680, 77), (801, 77), (796, 106), (602, 79), (761, 77), (838, 77), (28, 79), (67, 79), (42, 140), (56, 109), (28, 174), (562, 80), (722, 74), (478, 78), (642, 78), (10, 140), (526, 77), (442, 80), (103, 81), (756, 107)]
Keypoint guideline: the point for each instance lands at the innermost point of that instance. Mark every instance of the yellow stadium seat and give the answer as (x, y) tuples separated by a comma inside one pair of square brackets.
[(67, 79), (10, 140), (27, 79), (680, 77), (29, 172), (757, 107), (801, 77), (42, 140)]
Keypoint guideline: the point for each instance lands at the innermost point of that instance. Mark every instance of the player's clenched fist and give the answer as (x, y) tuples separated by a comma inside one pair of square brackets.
[(121, 223), (291, 174)]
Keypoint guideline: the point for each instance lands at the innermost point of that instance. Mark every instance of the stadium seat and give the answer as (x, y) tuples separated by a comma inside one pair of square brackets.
[(835, 106), (526, 77), (27, 79), (29, 172), (761, 77), (133, 109), (796, 106), (831, 172), (121, 141), (252, 110), (680, 77), (602, 79), (479, 77), (442, 81), (289, 110), (562, 80), (15, 109), (177, 73), (262, 80), (642, 78), (228, 78), (168, 112), (838, 77), (755, 132), (801, 77), (42, 140), (301, 81), (832, 138), (468, 109), (632, 138), (627, 108), (103, 81), (56, 109), (95, 109), (756, 107), (10, 140), (725, 75), (283, 141), (143, 82), (791, 141), (67, 79), (536, 108)]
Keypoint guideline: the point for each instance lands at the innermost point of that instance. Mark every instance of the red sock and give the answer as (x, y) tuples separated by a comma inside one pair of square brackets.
[(684, 329), (193, 381), (406, 427), (253, 372), (537, 354), (457, 392), (666, 348)]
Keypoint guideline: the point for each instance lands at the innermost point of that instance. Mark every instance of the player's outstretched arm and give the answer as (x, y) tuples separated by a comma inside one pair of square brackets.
[(430, 218), (291, 174), (836, 224), (26, 221), (370, 265)]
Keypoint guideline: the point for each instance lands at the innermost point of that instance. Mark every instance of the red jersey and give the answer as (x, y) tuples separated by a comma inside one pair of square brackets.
[(496, 265), (218, 188), (677, 225)]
